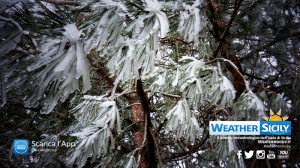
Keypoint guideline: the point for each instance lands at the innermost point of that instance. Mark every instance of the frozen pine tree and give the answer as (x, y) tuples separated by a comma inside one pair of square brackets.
[(135, 83)]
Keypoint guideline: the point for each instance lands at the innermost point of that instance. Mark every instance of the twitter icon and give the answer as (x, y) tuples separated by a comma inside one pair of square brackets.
[(249, 154)]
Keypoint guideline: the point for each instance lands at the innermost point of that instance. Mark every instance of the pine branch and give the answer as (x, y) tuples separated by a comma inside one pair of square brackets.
[(234, 67), (100, 71), (237, 5), (293, 43), (63, 2), (36, 109), (55, 17), (256, 77), (254, 4), (183, 153), (115, 154), (269, 44)]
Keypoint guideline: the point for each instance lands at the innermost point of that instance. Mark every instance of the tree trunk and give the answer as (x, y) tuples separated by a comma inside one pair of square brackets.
[(139, 112)]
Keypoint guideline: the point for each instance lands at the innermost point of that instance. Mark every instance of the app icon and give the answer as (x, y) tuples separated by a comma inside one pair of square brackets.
[(260, 154), (21, 146), (271, 156), (239, 154), (249, 154)]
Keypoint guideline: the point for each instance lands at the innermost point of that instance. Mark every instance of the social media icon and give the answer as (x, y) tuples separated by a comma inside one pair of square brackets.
[(239, 154), (271, 156), (260, 154), (249, 154), (21, 146), (284, 152)]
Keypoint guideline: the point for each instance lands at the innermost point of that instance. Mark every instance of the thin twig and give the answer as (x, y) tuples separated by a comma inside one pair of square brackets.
[(128, 127), (269, 90), (80, 19), (129, 106), (289, 69), (160, 122), (269, 44), (115, 154), (170, 17), (169, 95), (227, 113), (177, 52), (26, 127)]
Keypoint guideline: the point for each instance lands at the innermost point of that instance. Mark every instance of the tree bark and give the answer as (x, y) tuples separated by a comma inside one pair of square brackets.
[(140, 112)]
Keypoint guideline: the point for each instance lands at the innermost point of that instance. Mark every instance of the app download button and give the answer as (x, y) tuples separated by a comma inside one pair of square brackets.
[(21, 146)]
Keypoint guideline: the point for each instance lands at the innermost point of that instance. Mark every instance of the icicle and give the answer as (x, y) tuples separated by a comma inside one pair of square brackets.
[(164, 24), (83, 67), (67, 60), (175, 82), (155, 41)]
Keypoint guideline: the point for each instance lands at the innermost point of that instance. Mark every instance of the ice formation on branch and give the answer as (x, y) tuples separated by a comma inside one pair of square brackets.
[(103, 30), (182, 121), (191, 21), (96, 118), (249, 107), (55, 73)]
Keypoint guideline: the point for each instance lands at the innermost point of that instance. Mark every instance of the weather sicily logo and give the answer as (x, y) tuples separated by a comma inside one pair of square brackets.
[(21, 146), (275, 117), (275, 125)]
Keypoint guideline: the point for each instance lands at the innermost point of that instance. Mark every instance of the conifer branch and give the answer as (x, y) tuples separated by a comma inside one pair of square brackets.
[(269, 44), (55, 16), (62, 2), (179, 154), (36, 109), (237, 5), (235, 68), (293, 43), (115, 154), (105, 75)]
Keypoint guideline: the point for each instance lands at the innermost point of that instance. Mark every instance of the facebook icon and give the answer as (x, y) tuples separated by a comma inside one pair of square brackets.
[(239, 154)]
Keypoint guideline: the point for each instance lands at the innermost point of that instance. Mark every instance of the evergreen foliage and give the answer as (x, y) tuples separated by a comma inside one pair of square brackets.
[(135, 83)]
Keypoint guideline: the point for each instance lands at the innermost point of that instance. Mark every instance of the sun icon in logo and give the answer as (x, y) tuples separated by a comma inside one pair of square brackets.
[(275, 117)]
